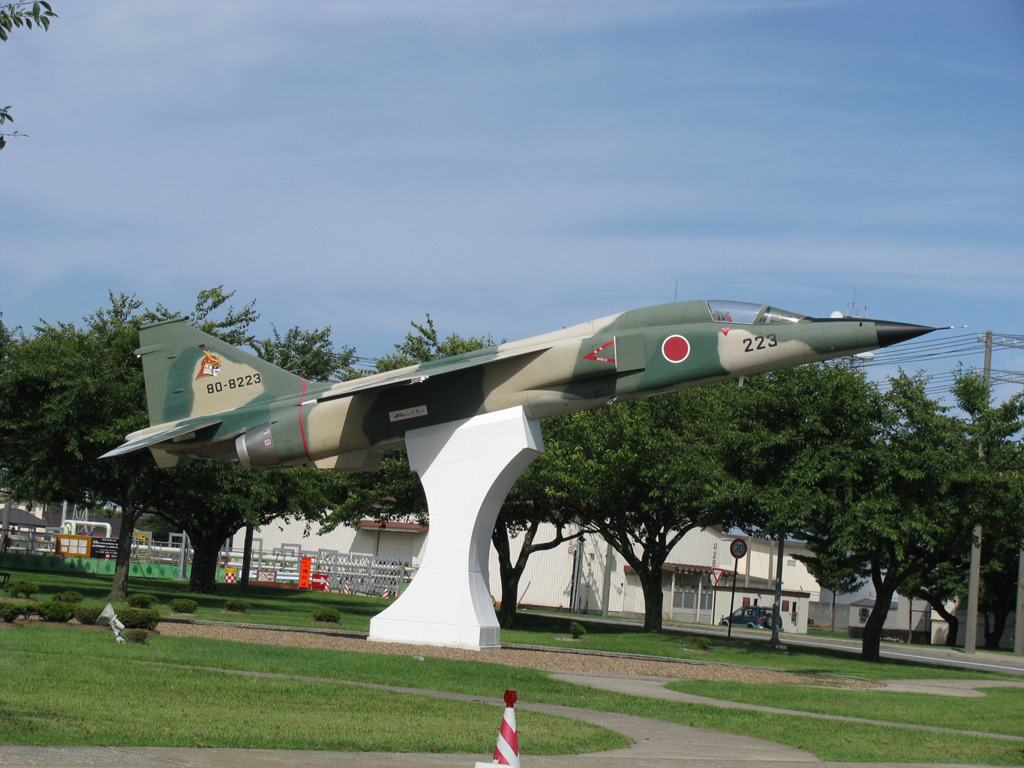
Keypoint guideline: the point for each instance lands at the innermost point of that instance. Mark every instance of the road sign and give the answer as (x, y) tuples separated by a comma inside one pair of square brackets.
[(716, 574), (738, 548)]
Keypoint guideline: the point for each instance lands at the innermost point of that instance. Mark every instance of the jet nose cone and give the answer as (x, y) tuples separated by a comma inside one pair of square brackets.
[(893, 333)]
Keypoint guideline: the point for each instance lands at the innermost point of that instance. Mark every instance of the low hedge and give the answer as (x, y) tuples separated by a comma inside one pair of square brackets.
[(22, 588), (139, 618), (142, 600), (184, 605), (327, 615), (87, 614), (10, 612), (69, 597), (54, 610)]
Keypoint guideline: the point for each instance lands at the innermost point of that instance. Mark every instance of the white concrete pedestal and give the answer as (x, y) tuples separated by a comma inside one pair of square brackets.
[(467, 468)]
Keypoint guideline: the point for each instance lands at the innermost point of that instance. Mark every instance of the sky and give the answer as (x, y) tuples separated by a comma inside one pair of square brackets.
[(513, 167)]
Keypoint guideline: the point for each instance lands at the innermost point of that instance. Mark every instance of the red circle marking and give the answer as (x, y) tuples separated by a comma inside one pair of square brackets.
[(675, 349)]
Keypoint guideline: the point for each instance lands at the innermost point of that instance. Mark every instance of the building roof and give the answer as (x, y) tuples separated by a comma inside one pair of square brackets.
[(22, 519)]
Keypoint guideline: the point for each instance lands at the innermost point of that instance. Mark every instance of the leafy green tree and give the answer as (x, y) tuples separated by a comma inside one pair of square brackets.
[(647, 472), (14, 16), (797, 437), (907, 516), (993, 495), (67, 394)]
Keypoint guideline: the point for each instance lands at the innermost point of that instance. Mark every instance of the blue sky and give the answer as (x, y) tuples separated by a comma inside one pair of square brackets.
[(513, 167)]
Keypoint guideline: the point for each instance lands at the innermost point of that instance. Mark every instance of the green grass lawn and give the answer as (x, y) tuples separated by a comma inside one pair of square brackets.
[(117, 694)]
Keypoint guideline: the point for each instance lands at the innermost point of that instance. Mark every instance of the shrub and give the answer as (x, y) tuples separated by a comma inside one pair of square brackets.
[(696, 642), (142, 600), (87, 614), (184, 605), (54, 611), (139, 618), (22, 588), (236, 605), (68, 597), (10, 612), (136, 636), (330, 615), (577, 630)]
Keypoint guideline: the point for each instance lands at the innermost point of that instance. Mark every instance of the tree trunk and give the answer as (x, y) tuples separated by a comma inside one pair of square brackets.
[(205, 551), (952, 622), (246, 559), (871, 643), (994, 633), (123, 563), (654, 598)]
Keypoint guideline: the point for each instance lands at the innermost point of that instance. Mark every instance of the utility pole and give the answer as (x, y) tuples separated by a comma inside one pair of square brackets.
[(971, 638)]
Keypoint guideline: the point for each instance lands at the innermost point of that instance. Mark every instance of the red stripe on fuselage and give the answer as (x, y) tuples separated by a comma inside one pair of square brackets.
[(302, 430)]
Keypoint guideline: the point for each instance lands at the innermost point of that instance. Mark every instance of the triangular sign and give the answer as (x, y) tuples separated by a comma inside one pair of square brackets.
[(716, 574)]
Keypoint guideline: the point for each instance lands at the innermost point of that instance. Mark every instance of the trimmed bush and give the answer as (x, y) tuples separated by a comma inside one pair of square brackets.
[(696, 642), (577, 630), (237, 606), (184, 605), (142, 600), (22, 588), (136, 636), (139, 618), (87, 614), (329, 615), (69, 597), (54, 611), (10, 612)]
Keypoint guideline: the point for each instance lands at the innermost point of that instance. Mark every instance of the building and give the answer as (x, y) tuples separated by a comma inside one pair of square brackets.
[(585, 574)]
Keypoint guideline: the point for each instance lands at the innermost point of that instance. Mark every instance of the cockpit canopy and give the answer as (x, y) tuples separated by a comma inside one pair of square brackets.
[(750, 314)]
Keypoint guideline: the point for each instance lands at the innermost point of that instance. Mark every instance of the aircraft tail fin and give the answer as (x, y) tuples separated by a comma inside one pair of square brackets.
[(191, 374)]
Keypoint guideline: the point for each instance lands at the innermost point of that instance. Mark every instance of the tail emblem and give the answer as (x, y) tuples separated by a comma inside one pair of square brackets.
[(209, 365)]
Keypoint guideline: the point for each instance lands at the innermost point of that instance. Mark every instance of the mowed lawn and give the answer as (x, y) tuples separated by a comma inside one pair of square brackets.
[(72, 685)]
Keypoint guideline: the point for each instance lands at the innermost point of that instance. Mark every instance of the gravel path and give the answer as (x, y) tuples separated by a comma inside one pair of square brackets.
[(548, 660)]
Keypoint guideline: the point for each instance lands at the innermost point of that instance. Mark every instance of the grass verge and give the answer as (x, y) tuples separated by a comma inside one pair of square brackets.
[(126, 695)]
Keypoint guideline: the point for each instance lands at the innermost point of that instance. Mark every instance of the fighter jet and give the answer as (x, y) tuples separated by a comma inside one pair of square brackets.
[(210, 400)]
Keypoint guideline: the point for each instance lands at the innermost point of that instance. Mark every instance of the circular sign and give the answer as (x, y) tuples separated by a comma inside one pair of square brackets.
[(738, 548), (675, 349)]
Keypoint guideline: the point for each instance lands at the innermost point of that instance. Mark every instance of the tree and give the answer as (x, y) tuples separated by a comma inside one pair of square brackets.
[(797, 438), (14, 16), (906, 515), (647, 472), (994, 497), (67, 394)]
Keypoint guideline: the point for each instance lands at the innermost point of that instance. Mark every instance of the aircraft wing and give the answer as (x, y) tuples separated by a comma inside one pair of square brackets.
[(148, 439), (421, 373)]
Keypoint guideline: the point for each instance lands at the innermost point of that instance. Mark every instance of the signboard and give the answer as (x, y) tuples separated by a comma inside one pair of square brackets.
[(320, 582), (266, 577), (738, 548), (305, 570), (716, 574), (104, 548), (74, 546)]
